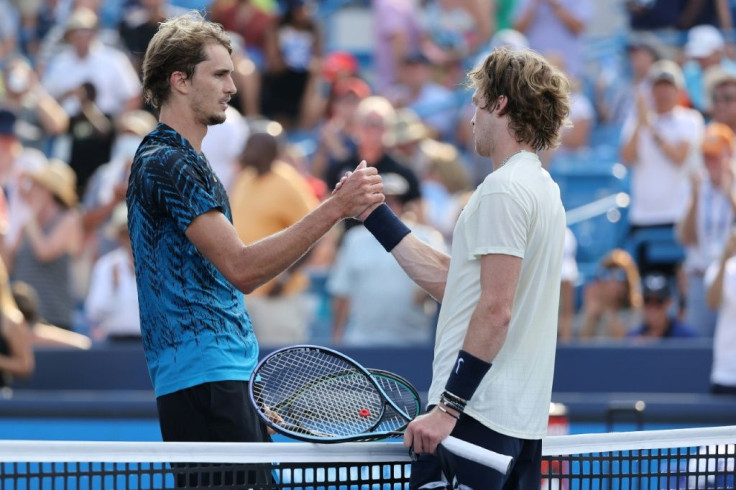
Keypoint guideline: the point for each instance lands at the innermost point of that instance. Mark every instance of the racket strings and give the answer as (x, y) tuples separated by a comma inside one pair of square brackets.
[(319, 394)]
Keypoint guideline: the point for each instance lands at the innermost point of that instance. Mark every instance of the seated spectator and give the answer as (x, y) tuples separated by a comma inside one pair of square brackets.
[(612, 302), (658, 322), (396, 33), (708, 222), (16, 355), (44, 334), (51, 236), (293, 50), (112, 303), (720, 280), (408, 135), (721, 89)]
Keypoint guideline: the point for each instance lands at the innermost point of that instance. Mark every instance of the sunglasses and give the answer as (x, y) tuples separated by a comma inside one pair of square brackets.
[(654, 301)]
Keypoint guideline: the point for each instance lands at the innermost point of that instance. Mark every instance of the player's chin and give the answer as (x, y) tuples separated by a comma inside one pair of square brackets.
[(216, 118)]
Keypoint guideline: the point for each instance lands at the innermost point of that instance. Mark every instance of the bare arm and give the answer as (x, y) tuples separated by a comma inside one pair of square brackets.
[(424, 264), (630, 149), (686, 229), (66, 237), (250, 266), (677, 152), (524, 21), (714, 294), (52, 116), (19, 362), (499, 275), (572, 23)]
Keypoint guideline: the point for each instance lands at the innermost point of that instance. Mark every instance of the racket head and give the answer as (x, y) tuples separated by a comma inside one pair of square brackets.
[(317, 394), (400, 391)]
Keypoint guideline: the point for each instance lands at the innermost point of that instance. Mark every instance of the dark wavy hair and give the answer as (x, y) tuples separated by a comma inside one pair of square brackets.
[(537, 92), (179, 45)]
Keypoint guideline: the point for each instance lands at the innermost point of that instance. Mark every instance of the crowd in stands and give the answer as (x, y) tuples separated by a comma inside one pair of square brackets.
[(661, 100)]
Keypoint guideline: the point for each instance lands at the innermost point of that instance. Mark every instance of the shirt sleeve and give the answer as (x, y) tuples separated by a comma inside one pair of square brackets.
[(497, 225), (180, 189)]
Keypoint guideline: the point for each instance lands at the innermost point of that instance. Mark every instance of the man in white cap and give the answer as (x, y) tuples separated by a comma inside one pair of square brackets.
[(658, 144), (704, 50)]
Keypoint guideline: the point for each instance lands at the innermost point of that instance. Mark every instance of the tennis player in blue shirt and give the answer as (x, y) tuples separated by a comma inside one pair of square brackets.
[(191, 267)]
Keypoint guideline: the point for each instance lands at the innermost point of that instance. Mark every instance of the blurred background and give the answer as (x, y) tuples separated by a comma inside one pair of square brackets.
[(647, 326)]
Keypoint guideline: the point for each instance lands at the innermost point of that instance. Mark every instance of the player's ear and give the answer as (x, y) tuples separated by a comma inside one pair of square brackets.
[(501, 103), (179, 82)]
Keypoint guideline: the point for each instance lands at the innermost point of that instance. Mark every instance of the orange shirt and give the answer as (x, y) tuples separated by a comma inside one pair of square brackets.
[(264, 205)]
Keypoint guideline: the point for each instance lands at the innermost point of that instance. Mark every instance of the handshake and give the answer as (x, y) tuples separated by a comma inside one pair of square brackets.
[(359, 192)]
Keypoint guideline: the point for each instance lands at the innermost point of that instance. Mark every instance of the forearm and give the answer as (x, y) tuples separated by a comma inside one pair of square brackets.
[(43, 248), (714, 293), (52, 116), (571, 22), (487, 330), (631, 147), (340, 310), (265, 259), (425, 265), (686, 229), (675, 152)]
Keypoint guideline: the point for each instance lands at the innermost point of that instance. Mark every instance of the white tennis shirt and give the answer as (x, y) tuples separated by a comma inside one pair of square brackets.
[(515, 211)]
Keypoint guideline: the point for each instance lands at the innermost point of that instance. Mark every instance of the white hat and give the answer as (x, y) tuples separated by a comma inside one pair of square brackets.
[(703, 41)]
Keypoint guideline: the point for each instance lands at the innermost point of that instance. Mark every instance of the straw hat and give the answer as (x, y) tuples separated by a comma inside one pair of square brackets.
[(59, 178), (408, 128)]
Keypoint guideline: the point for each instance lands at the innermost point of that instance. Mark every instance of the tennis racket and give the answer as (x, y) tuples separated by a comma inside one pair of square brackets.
[(316, 394)]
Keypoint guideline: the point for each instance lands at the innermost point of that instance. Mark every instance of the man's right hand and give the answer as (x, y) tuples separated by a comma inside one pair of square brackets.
[(359, 191)]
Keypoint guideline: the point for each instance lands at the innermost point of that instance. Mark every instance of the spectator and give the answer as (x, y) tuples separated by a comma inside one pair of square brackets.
[(139, 24), (112, 303), (247, 19), (408, 135), (44, 334), (659, 145), (444, 183), (612, 302), (454, 30), (267, 197), (374, 121), (720, 280), (397, 33), (9, 22), (293, 52), (87, 60), (374, 302), (706, 226), (613, 97), (721, 85), (705, 50), (51, 236), (39, 117), (433, 103), (658, 323), (556, 26), (336, 136)]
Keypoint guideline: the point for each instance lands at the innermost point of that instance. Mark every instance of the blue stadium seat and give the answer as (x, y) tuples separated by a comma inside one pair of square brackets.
[(662, 245)]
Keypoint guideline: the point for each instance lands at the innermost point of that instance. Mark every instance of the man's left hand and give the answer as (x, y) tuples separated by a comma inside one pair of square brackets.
[(425, 432)]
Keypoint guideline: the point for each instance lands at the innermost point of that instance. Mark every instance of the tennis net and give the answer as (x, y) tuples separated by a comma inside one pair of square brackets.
[(700, 458)]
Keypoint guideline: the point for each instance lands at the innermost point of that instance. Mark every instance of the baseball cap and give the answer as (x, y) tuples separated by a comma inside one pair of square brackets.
[(717, 137), (667, 71), (646, 41), (81, 18), (416, 57), (656, 286), (703, 41)]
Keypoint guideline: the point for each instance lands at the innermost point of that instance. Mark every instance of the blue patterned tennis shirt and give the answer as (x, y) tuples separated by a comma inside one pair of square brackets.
[(194, 323)]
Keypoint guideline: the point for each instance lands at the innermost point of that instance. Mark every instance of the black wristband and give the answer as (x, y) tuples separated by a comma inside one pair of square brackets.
[(466, 375), (386, 227)]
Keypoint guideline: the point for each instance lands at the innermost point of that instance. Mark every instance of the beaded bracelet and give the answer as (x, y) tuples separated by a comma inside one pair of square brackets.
[(443, 409)]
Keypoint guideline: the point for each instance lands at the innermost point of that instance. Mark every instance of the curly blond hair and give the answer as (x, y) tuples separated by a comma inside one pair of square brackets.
[(537, 94), (179, 45)]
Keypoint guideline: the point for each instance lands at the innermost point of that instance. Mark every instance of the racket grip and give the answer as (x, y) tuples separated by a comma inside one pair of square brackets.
[(480, 455)]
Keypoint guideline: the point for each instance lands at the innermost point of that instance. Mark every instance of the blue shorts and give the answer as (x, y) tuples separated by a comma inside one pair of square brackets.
[(525, 474)]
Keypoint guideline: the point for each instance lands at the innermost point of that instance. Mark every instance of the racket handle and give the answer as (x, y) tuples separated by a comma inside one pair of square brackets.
[(480, 455)]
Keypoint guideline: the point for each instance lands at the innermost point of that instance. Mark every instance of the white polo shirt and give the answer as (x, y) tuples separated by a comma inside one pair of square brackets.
[(108, 69), (659, 188), (515, 211)]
